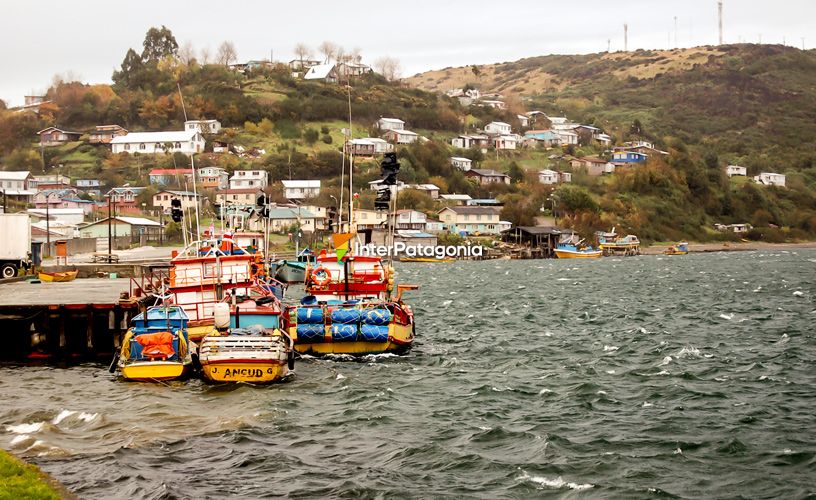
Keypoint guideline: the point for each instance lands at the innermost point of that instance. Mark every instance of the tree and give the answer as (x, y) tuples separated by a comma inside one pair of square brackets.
[(302, 51), (226, 53), (132, 67), (388, 67), (516, 173), (158, 44), (328, 49), (187, 53)]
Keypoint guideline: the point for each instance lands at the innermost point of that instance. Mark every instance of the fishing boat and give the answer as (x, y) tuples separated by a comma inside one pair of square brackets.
[(426, 259), (570, 251), (294, 271), (680, 248), (156, 347), (58, 277), (613, 244), (252, 354)]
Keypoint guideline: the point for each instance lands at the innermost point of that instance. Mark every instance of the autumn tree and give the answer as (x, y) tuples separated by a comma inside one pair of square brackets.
[(303, 52), (158, 44), (388, 67), (329, 50), (226, 53)]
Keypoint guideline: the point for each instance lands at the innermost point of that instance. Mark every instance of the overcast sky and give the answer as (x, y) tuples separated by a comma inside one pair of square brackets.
[(89, 38)]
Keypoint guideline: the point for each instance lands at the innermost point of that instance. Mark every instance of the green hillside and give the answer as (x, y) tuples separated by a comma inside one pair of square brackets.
[(708, 106)]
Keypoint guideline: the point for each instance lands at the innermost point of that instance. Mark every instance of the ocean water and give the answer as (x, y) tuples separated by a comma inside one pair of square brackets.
[(686, 377)]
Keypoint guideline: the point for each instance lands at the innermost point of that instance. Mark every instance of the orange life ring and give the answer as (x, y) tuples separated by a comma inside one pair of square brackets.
[(321, 276)]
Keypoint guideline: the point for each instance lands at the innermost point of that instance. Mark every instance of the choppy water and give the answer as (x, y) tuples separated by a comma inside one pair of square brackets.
[(642, 377)]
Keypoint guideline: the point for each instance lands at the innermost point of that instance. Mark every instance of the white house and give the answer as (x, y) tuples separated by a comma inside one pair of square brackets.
[(770, 179), (390, 124), (300, 190), (185, 141), (505, 142), (732, 170), (497, 128), (203, 126), (461, 163), (325, 72), (548, 176), (401, 136), (244, 179)]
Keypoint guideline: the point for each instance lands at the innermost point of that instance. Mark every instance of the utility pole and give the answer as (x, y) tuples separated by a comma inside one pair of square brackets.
[(720, 19), (625, 37)]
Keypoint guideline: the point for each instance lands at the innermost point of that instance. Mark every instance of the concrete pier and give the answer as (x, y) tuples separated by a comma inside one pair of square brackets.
[(79, 320)]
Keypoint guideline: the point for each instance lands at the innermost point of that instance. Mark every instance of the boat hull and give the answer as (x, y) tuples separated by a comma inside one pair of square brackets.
[(150, 371), (569, 254), (254, 371)]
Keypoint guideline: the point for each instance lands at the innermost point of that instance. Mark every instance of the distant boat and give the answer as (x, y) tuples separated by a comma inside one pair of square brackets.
[(59, 277), (426, 259), (570, 251), (679, 249)]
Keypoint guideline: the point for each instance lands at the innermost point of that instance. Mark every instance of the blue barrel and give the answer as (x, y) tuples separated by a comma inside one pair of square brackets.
[(378, 317), (310, 315), (345, 316), (374, 333), (310, 333), (344, 333)]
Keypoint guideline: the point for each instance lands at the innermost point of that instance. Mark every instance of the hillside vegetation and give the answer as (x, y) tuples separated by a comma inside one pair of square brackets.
[(708, 106)]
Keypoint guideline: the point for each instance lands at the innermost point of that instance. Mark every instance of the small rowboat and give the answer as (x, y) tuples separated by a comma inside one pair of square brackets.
[(59, 277)]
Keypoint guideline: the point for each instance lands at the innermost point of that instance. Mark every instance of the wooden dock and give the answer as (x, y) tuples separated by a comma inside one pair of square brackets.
[(79, 320)]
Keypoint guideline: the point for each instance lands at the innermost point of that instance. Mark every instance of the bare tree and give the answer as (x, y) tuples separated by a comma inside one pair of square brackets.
[(205, 55), (328, 49), (388, 67), (187, 53), (302, 51), (226, 53)]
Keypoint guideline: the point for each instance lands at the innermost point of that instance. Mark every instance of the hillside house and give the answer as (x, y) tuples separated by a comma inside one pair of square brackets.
[(213, 178), (548, 176), (431, 190), (17, 185), (203, 126), (390, 124), (497, 128), (104, 134), (242, 197), (53, 136), (461, 163), (732, 170), (594, 166), (401, 136), (628, 157), (770, 179), (124, 197), (301, 189), (163, 199), (186, 141), (488, 176), (471, 141), (171, 176), (504, 142), (243, 179), (92, 187), (472, 220), (456, 199), (322, 72)]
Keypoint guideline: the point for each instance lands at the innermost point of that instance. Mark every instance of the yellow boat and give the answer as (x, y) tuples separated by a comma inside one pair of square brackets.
[(58, 277), (246, 355), (569, 251), (678, 249), (155, 348), (425, 259)]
